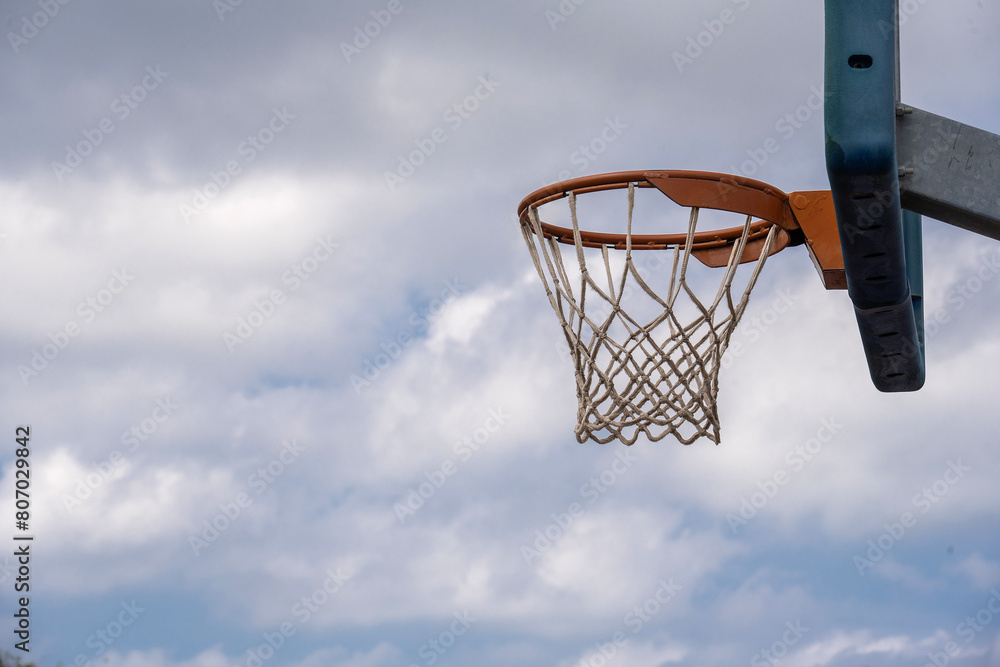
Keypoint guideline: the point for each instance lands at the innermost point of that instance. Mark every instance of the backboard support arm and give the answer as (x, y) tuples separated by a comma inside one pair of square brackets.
[(949, 171)]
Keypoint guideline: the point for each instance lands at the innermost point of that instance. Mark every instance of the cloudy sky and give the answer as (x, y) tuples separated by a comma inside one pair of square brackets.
[(248, 330)]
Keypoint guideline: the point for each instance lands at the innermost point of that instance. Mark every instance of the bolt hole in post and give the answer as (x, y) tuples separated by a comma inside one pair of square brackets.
[(859, 61)]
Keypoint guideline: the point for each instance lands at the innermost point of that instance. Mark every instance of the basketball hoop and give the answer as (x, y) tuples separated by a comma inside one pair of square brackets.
[(657, 373)]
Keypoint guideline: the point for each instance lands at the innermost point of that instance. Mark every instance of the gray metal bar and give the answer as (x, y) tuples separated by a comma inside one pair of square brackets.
[(955, 175)]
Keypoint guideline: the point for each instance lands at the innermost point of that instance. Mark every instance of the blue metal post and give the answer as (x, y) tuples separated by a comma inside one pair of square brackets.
[(913, 238), (860, 117)]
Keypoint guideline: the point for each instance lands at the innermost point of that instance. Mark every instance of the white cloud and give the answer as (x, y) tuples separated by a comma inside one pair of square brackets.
[(907, 575), (632, 653), (981, 572), (383, 655), (494, 351), (825, 651), (158, 658)]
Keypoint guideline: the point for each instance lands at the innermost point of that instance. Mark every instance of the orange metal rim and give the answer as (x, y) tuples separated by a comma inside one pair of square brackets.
[(696, 189)]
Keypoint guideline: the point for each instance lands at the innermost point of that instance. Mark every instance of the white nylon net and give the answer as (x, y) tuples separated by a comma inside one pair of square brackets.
[(660, 375)]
